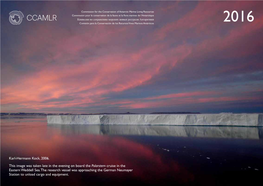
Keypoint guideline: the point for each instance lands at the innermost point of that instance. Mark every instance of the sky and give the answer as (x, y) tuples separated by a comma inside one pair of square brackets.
[(188, 61)]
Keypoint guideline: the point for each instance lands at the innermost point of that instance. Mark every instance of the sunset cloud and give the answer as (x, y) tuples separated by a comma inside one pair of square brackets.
[(190, 59)]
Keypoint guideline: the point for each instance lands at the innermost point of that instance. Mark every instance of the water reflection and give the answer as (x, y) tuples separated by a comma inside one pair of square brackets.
[(176, 131), (35, 139), (159, 155)]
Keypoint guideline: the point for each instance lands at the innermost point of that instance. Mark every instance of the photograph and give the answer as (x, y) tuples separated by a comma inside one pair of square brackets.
[(131, 92)]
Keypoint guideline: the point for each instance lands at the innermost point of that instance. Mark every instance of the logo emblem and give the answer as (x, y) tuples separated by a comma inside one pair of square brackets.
[(16, 17)]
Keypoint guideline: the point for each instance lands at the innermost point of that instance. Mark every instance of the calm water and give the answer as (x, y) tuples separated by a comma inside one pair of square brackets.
[(158, 155)]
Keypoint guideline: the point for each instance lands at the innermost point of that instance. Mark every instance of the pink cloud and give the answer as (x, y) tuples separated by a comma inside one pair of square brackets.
[(63, 71), (186, 94), (187, 98)]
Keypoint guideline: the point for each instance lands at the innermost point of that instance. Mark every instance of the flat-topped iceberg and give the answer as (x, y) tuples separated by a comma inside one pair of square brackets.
[(223, 119)]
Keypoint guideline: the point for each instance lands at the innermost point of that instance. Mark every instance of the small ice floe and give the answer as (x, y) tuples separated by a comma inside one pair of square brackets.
[(208, 158), (158, 145), (249, 167), (166, 150), (184, 147), (256, 169)]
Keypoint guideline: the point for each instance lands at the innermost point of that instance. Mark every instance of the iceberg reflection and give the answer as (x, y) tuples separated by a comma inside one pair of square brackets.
[(176, 131)]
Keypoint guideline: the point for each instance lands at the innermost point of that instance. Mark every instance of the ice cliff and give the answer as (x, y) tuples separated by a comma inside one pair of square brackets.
[(223, 119)]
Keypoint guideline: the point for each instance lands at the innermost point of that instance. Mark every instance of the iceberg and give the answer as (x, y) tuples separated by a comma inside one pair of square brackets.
[(222, 119)]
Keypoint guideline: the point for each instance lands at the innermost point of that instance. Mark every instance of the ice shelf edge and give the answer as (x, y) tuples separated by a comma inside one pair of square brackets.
[(224, 119)]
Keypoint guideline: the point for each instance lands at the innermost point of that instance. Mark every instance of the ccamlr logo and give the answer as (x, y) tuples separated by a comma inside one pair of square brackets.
[(35, 17), (16, 17)]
